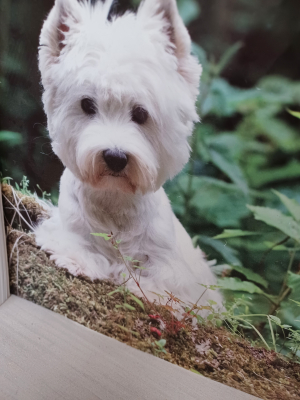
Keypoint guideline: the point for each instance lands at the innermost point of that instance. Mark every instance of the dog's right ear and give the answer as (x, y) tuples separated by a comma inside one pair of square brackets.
[(63, 17), (175, 29), (179, 42)]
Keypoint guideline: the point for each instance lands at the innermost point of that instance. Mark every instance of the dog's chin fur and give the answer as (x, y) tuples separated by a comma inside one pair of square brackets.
[(113, 183), (136, 60)]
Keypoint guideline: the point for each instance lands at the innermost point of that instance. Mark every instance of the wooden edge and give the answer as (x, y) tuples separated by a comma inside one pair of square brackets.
[(45, 356), (4, 279)]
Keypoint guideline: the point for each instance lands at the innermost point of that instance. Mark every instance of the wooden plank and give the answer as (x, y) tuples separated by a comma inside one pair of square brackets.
[(4, 280), (45, 356)]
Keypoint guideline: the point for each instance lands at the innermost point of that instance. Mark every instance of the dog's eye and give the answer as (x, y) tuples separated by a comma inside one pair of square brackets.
[(139, 115), (88, 106)]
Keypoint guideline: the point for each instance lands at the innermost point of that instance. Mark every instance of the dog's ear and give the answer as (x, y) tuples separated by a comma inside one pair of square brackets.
[(59, 23), (174, 26), (167, 12), (63, 15)]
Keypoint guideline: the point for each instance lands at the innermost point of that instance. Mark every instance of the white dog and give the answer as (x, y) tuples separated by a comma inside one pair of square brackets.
[(120, 98)]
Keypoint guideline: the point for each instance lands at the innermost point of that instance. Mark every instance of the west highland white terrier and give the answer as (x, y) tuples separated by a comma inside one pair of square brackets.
[(119, 94)]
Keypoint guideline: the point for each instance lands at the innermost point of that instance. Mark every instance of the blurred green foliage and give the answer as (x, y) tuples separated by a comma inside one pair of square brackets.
[(246, 144)]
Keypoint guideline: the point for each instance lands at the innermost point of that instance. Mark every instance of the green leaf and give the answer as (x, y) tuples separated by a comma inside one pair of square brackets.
[(114, 291), (12, 138), (280, 247), (261, 177), (128, 258), (161, 343), (280, 87), (230, 233), (289, 312), (106, 236), (250, 275), (216, 102), (218, 202), (138, 267), (285, 326), (292, 205), (277, 131), (294, 113), (219, 323), (230, 168), (275, 319), (228, 254), (212, 302), (236, 284), (275, 218), (293, 282), (228, 56), (6, 180), (138, 301), (210, 287), (131, 308), (195, 371), (297, 302)]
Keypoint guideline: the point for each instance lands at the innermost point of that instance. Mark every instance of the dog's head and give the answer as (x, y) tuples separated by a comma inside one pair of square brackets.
[(119, 92)]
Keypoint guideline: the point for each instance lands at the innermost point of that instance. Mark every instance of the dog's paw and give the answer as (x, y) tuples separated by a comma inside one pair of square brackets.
[(67, 263)]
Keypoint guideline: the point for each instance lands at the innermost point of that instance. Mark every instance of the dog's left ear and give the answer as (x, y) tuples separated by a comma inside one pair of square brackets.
[(167, 11), (63, 17), (175, 28)]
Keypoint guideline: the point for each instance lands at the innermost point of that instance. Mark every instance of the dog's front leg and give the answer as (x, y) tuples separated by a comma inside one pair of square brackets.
[(66, 236)]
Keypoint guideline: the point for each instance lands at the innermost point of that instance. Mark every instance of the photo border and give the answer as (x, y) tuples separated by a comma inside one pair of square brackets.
[(4, 275)]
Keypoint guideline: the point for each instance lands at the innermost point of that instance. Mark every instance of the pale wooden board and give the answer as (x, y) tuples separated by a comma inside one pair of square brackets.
[(45, 356), (4, 282)]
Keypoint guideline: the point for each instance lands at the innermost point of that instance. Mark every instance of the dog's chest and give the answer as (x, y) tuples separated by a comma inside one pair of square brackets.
[(128, 229)]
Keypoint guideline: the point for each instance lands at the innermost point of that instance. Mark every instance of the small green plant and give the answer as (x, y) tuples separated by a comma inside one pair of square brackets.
[(294, 342), (234, 322), (289, 226), (45, 195), (122, 289), (159, 346), (23, 187), (131, 265), (6, 179)]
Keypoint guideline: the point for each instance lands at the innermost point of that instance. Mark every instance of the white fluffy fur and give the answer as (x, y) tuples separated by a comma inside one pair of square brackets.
[(137, 59)]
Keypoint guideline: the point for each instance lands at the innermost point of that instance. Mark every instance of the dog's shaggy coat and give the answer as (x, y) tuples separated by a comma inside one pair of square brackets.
[(97, 73)]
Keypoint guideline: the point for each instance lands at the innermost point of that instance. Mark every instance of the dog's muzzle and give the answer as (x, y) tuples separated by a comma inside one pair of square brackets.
[(116, 160)]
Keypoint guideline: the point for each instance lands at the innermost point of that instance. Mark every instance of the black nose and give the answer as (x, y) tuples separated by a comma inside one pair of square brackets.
[(115, 159)]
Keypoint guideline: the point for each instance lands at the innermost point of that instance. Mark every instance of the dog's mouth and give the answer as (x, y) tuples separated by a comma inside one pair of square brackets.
[(112, 181), (113, 174)]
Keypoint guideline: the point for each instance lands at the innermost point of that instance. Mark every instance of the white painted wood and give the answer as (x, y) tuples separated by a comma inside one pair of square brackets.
[(45, 356), (4, 280)]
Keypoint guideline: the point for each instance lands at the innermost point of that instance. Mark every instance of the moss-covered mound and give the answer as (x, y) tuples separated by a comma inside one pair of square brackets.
[(210, 351)]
